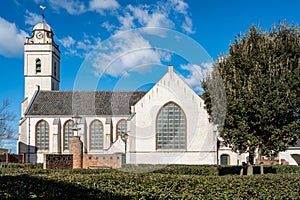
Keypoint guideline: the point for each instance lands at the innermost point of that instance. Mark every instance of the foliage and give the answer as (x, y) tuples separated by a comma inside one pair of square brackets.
[(262, 85), (6, 116), (114, 184), (21, 165), (202, 170)]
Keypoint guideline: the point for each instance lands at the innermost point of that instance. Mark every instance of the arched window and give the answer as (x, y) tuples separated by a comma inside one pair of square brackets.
[(96, 135), (38, 66), (121, 127), (68, 133), (42, 135), (171, 128)]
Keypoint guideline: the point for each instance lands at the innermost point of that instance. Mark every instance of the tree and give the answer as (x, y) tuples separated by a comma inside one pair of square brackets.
[(261, 80), (6, 116)]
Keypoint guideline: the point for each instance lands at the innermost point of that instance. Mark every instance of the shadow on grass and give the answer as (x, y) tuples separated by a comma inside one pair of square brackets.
[(28, 187)]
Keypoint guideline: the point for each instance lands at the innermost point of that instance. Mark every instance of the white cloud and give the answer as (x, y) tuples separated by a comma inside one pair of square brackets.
[(88, 43), (32, 18), (187, 25), (126, 22), (126, 52), (180, 6), (73, 7), (109, 27), (145, 16), (76, 7), (79, 48), (11, 39), (101, 5), (163, 14), (67, 42), (197, 74)]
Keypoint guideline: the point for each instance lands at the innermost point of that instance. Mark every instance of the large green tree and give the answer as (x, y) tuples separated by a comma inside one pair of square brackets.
[(261, 80)]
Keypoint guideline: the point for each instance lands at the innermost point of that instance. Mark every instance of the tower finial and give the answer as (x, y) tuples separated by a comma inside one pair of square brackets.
[(43, 8)]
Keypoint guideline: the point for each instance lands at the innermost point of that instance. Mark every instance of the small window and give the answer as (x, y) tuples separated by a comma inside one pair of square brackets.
[(55, 69), (224, 159), (38, 67)]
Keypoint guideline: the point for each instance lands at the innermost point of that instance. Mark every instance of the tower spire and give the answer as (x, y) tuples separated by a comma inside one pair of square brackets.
[(43, 8)]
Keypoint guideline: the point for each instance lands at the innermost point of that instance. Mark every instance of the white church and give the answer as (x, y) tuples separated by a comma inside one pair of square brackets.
[(166, 125)]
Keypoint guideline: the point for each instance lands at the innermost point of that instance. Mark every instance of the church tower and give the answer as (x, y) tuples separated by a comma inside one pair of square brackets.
[(41, 61)]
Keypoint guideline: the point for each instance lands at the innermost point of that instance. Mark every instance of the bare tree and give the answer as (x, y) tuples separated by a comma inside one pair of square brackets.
[(6, 116)]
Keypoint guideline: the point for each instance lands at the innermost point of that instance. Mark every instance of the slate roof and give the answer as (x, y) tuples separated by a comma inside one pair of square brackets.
[(84, 102), (297, 144)]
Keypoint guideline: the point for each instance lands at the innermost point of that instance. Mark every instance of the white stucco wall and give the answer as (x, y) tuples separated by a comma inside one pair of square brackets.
[(287, 155), (200, 138), (48, 54)]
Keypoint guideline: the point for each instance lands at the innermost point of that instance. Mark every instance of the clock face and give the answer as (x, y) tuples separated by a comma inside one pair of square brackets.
[(39, 35)]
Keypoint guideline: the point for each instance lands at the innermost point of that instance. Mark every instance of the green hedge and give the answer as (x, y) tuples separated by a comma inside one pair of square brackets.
[(208, 170), (114, 184), (21, 165), (203, 170)]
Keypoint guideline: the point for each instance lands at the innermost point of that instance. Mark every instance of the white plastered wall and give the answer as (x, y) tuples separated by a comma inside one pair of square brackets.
[(200, 139)]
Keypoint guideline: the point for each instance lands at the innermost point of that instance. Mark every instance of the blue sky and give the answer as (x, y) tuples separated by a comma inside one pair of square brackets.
[(122, 44)]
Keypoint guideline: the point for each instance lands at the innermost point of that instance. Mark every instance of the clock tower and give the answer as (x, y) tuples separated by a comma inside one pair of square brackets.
[(41, 61)]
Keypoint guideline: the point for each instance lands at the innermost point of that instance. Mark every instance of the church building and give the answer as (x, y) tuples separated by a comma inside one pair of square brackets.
[(167, 124)]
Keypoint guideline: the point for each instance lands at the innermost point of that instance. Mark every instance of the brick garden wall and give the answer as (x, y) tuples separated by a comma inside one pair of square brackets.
[(58, 161), (102, 161), (12, 158)]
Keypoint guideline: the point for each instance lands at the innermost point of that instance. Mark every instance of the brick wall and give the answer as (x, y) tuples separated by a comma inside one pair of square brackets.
[(273, 162), (12, 158), (58, 161), (102, 161), (76, 149)]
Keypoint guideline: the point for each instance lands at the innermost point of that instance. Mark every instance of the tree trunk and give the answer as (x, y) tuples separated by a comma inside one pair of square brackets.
[(250, 163), (258, 161), (262, 169), (250, 169)]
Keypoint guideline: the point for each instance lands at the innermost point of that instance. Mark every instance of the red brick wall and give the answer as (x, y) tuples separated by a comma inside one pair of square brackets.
[(102, 160), (12, 158), (58, 161), (274, 162), (76, 148)]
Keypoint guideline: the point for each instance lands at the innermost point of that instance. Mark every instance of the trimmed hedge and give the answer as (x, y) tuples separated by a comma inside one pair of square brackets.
[(208, 170), (114, 184), (21, 165)]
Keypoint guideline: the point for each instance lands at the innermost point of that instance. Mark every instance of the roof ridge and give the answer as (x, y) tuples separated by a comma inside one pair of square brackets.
[(94, 90)]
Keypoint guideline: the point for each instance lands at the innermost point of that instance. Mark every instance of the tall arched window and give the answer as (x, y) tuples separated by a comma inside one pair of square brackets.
[(38, 66), (68, 133), (42, 135), (171, 128), (121, 127), (96, 135)]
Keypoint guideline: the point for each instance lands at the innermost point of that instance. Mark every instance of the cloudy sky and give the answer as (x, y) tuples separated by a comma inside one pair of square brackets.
[(123, 44)]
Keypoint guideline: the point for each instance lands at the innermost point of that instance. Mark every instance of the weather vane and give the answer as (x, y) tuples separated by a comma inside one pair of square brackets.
[(43, 8)]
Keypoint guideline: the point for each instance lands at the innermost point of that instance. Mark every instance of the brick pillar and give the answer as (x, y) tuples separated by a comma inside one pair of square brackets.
[(76, 148), (7, 158)]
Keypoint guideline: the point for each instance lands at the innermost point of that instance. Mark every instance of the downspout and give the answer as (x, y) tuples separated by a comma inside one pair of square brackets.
[(28, 143)]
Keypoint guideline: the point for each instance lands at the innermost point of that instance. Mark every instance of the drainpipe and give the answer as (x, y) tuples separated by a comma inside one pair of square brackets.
[(28, 143)]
